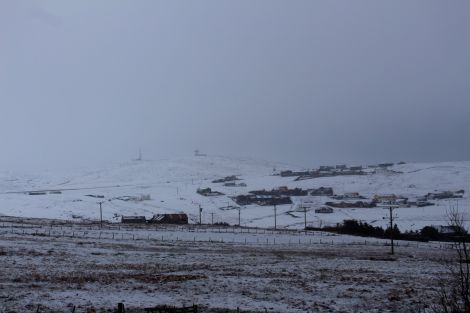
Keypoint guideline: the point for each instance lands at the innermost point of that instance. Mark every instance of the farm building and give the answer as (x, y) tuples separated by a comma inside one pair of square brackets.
[(208, 192), (36, 193), (281, 191), (445, 195), (348, 195), (169, 219), (226, 179), (324, 210), (385, 198), (263, 200), (322, 191), (234, 184), (346, 205), (448, 229), (289, 173), (133, 220)]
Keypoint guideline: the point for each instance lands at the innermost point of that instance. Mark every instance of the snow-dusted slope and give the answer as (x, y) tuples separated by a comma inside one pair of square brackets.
[(172, 185)]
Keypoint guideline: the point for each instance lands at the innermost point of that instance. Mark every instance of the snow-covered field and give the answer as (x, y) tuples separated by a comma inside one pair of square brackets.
[(59, 267), (172, 185)]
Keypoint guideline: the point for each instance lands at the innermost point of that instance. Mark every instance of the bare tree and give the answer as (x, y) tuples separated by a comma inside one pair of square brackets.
[(454, 294)]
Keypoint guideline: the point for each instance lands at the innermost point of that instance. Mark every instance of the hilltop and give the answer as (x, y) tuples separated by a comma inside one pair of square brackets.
[(170, 186)]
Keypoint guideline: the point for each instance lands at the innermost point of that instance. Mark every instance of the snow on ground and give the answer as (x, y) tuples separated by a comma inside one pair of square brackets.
[(172, 185), (61, 270)]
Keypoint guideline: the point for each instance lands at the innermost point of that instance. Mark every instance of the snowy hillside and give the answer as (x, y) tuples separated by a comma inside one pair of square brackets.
[(172, 186)]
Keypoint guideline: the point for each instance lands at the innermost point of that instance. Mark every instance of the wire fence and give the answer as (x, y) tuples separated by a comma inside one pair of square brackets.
[(227, 235)]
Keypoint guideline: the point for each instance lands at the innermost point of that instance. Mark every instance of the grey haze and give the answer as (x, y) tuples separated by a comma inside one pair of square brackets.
[(306, 82)]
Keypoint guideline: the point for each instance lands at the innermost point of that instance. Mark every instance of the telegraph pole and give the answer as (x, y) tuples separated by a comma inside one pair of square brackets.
[(212, 218), (390, 208), (239, 217), (101, 214), (200, 215), (275, 217), (391, 229), (305, 218)]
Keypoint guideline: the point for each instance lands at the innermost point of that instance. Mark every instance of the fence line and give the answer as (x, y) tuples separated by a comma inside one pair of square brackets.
[(107, 235), (162, 227)]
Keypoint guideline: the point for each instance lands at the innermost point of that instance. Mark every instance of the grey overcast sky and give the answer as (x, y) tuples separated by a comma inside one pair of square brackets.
[(306, 82)]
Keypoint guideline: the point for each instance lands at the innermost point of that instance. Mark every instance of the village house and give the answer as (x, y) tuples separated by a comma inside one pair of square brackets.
[(385, 198), (356, 168), (348, 195), (234, 184), (226, 179), (445, 195), (324, 210), (133, 220), (391, 199), (169, 219), (289, 173), (322, 191), (448, 229), (263, 200), (207, 192)]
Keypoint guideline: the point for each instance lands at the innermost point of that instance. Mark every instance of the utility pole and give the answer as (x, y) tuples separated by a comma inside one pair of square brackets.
[(239, 216), (101, 214), (275, 217), (200, 215), (305, 218), (212, 218), (390, 208), (391, 229)]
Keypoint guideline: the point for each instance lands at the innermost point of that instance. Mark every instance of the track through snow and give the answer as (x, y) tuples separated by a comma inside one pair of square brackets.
[(172, 185)]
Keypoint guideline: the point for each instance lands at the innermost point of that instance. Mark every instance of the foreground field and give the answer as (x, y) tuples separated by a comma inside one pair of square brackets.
[(59, 272)]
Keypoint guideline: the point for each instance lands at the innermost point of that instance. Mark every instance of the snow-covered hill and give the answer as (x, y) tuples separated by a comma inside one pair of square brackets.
[(172, 186)]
